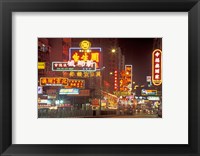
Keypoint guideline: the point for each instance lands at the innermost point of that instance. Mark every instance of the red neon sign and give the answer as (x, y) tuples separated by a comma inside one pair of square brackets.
[(115, 80), (157, 67)]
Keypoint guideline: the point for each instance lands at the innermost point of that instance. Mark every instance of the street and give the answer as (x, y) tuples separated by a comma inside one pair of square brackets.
[(141, 115), (138, 116)]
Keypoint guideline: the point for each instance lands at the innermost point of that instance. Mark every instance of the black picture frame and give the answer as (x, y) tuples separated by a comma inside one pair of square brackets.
[(9, 6)]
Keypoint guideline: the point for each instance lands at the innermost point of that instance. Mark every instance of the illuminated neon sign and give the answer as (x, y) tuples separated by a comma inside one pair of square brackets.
[(79, 65), (153, 98), (75, 83), (69, 91), (157, 67), (41, 65), (53, 81), (85, 44), (40, 90), (61, 81), (128, 75), (148, 92), (115, 80), (93, 54)]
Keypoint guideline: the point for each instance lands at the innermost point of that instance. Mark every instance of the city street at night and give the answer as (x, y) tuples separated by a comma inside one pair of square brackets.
[(99, 78)]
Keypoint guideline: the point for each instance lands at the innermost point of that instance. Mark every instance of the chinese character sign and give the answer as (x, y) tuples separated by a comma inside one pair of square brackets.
[(61, 81), (128, 73), (94, 56), (53, 81), (115, 80), (75, 83), (157, 67), (74, 65)]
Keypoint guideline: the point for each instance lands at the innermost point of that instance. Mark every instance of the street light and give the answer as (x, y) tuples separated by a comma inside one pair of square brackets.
[(113, 50)]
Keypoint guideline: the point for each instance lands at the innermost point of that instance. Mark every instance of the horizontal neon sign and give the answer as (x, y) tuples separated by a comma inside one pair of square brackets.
[(74, 66), (69, 91)]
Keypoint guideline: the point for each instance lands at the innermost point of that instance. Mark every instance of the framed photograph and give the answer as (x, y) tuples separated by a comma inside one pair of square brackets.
[(99, 77), (93, 78)]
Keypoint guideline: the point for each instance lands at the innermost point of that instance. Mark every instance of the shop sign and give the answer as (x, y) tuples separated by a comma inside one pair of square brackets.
[(157, 67)]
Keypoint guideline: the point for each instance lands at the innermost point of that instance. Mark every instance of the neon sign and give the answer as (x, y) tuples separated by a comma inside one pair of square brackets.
[(115, 80), (40, 90), (78, 65), (53, 81), (75, 83), (128, 76), (61, 81), (93, 54), (148, 92), (41, 65), (69, 91), (85, 44), (157, 67)]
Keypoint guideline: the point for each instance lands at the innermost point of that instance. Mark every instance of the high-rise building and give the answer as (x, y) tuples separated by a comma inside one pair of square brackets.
[(115, 64), (44, 52), (157, 43)]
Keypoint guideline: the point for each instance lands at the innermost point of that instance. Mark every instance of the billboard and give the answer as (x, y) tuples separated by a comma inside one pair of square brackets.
[(69, 91), (41, 65), (62, 81), (84, 92), (148, 92), (71, 65), (51, 91), (53, 81), (153, 98), (40, 90), (92, 54), (128, 73), (115, 80), (75, 83), (148, 78), (157, 67), (42, 100)]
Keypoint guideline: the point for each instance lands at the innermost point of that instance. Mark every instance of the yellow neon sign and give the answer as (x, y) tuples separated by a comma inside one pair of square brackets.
[(41, 65), (85, 44)]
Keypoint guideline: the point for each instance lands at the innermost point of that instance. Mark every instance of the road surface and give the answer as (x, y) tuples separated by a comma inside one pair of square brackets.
[(141, 115)]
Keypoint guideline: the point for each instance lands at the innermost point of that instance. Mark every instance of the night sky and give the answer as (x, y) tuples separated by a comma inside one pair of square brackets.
[(138, 53)]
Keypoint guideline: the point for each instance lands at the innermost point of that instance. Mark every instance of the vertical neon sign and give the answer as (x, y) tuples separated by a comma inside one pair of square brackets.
[(157, 67), (128, 70), (115, 80)]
